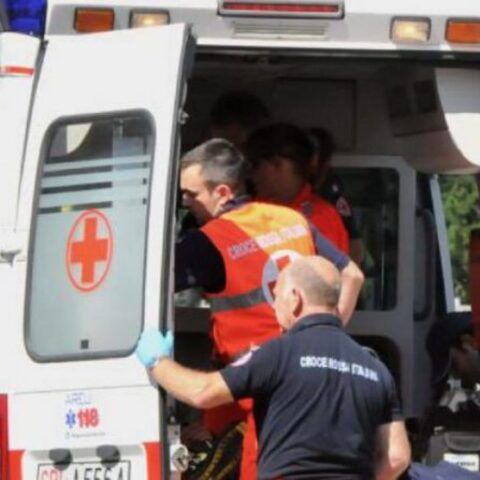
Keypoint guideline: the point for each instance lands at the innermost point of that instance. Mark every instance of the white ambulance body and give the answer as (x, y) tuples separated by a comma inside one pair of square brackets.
[(90, 130)]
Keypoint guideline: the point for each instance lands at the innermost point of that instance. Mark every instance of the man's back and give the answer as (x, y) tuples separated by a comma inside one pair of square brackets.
[(319, 399), (256, 240)]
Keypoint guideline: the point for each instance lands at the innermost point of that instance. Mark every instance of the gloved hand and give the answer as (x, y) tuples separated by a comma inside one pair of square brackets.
[(153, 345)]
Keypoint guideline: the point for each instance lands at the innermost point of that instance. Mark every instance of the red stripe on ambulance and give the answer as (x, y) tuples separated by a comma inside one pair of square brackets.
[(15, 464), (154, 467), (14, 70)]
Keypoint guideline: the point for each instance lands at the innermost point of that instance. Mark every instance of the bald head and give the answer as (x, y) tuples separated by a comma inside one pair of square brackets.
[(307, 285), (317, 278)]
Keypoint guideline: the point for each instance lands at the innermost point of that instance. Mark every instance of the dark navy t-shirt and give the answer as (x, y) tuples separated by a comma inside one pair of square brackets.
[(319, 398), (331, 190)]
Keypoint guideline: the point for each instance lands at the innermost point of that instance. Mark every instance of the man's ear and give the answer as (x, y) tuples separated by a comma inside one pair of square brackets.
[(224, 191), (297, 302)]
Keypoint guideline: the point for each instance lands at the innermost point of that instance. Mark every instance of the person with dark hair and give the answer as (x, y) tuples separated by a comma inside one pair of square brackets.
[(324, 407), (281, 156), (212, 182), (235, 114), (450, 345), (236, 256)]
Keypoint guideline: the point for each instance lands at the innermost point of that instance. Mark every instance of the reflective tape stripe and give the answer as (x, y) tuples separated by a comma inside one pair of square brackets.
[(245, 300), (13, 70)]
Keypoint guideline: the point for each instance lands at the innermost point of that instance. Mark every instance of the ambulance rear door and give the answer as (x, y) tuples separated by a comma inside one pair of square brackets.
[(96, 210)]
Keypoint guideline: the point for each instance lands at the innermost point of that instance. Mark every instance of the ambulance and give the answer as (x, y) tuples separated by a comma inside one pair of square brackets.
[(98, 99)]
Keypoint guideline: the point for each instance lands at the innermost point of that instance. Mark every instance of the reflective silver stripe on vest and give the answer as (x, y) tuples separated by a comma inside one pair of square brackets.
[(245, 300)]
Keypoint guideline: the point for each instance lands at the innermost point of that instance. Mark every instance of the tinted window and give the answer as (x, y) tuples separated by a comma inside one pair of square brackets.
[(373, 194)]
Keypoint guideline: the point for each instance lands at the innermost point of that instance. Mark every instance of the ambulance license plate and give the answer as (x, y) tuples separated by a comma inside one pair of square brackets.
[(468, 461), (85, 471)]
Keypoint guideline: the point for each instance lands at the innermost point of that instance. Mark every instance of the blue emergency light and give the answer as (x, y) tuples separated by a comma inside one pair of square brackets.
[(27, 16)]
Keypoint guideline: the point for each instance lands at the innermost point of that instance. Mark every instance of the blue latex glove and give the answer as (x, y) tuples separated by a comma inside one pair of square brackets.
[(153, 345)]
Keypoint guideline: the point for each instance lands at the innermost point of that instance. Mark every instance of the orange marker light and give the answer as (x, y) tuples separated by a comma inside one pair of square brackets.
[(89, 20), (463, 31)]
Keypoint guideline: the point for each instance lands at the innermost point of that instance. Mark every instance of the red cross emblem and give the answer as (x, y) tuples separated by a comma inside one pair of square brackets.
[(89, 250), (281, 263), (275, 264)]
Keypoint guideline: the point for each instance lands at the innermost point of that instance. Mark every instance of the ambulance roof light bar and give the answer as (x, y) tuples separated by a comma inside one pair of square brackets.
[(333, 9), (27, 16)]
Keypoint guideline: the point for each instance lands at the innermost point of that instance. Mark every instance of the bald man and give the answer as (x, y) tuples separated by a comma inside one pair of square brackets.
[(325, 408)]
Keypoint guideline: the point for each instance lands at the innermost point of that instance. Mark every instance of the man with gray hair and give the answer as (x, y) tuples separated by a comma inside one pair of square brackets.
[(325, 408), (236, 256), (212, 183)]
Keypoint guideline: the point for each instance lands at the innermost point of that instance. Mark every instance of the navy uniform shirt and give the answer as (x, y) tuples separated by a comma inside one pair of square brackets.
[(319, 399), (331, 190), (198, 262)]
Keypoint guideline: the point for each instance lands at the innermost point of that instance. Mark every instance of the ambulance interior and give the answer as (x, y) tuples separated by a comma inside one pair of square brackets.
[(388, 122), (344, 99)]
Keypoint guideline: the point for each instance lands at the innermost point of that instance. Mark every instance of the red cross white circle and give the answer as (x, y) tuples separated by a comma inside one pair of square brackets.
[(275, 264), (89, 250)]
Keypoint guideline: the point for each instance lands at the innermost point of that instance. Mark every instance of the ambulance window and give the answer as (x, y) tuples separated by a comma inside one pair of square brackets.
[(89, 239), (374, 194)]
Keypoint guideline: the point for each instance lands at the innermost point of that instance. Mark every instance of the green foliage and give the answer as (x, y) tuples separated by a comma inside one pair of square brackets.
[(462, 213)]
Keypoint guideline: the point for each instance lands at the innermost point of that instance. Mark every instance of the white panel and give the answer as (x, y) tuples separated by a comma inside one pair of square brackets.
[(365, 26), (15, 96), (84, 77), (57, 417), (459, 92)]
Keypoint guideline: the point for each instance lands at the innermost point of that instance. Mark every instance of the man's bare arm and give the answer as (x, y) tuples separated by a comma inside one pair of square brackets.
[(198, 389), (352, 281), (392, 455)]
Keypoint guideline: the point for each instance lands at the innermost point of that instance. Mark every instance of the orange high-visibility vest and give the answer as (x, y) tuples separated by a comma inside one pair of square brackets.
[(256, 241), (323, 215)]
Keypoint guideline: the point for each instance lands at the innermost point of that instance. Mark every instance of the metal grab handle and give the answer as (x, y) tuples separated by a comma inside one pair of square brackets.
[(179, 457), (430, 257)]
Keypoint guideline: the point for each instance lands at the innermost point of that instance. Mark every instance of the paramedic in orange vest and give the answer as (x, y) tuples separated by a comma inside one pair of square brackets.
[(281, 156), (236, 256)]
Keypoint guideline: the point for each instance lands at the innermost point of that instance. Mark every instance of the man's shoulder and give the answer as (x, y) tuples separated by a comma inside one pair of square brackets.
[(264, 204), (373, 361), (280, 212), (193, 236), (362, 353)]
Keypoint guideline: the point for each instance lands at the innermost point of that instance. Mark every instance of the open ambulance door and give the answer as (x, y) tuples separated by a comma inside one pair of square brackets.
[(97, 210)]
